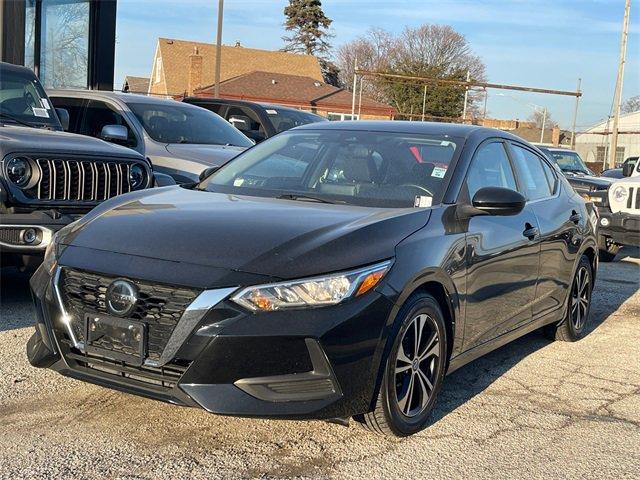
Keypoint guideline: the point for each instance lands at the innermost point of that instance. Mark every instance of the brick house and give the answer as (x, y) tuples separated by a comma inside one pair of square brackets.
[(174, 61)]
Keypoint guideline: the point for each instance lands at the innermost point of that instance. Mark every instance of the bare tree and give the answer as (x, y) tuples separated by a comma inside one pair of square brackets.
[(631, 105), (435, 51), (538, 117)]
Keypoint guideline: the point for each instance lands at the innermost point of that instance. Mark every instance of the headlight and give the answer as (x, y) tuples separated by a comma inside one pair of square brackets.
[(312, 292), (19, 171), (595, 197), (137, 176), (620, 193), (51, 254)]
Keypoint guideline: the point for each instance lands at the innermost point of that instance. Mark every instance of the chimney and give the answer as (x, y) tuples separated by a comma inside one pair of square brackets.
[(555, 136), (195, 71)]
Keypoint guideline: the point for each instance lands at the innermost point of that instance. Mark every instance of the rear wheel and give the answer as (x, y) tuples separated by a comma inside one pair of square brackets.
[(573, 327), (414, 370)]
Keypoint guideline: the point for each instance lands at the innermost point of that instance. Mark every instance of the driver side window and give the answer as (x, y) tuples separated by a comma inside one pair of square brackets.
[(490, 167)]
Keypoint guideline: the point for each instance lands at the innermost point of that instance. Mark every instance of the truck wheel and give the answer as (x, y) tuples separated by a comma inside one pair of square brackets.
[(608, 249)]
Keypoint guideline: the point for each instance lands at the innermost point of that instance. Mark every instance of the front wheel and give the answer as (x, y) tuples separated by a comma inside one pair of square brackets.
[(608, 250), (573, 327), (414, 370)]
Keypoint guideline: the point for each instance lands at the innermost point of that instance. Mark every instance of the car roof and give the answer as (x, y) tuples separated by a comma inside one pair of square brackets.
[(10, 67), (399, 126), (119, 96), (227, 101)]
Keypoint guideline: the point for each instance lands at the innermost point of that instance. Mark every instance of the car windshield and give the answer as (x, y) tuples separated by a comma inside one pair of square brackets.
[(284, 119), (23, 100), (375, 169), (183, 123), (570, 162)]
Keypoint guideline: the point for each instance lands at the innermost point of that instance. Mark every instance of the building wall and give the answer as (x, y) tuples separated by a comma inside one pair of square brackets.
[(587, 145)]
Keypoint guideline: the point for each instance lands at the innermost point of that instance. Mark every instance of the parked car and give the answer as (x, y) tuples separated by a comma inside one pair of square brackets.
[(257, 121), (337, 269), (179, 139), (49, 178), (620, 212)]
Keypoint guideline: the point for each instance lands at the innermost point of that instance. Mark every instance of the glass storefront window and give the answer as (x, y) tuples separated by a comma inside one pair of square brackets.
[(64, 50), (29, 33)]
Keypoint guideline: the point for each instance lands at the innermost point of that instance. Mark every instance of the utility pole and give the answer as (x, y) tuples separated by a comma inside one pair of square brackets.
[(575, 114), (424, 101), (466, 97), (544, 123), (355, 87), (218, 49), (617, 100)]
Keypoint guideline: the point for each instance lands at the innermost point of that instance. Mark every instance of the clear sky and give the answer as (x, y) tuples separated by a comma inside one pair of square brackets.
[(544, 43)]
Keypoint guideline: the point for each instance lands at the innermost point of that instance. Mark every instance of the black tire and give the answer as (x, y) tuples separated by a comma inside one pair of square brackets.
[(608, 250), (393, 414), (573, 326)]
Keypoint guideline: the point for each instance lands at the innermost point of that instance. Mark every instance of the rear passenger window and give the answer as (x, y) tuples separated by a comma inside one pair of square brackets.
[(490, 168), (531, 171)]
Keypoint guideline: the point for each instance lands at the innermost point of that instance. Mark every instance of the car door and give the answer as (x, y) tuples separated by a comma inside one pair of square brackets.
[(75, 107), (559, 217), (502, 253)]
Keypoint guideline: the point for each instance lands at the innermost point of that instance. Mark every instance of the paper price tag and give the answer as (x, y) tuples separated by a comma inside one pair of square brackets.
[(423, 201)]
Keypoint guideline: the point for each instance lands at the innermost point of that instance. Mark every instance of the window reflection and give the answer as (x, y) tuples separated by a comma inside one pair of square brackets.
[(29, 33), (64, 44)]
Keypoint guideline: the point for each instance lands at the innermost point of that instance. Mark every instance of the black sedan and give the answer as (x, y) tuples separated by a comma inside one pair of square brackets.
[(336, 270)]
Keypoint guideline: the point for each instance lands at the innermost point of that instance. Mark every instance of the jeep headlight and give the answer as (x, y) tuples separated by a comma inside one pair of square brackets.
[(19, 171), (312, 292), (620, 193)]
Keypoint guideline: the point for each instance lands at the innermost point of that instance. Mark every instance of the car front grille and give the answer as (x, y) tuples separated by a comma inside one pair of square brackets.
[(159, 306), (633, 201), (11, 235), (81, 180)]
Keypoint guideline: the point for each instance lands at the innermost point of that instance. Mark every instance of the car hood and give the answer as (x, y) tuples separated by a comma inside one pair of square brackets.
[(25, 139), (588, 182), (277, 238), (214, 155)]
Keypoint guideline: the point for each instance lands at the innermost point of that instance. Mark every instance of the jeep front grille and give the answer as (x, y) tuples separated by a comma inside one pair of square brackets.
[(81, 180)]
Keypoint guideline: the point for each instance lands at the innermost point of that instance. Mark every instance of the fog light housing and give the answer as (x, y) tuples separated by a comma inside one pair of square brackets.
[(29, 236)]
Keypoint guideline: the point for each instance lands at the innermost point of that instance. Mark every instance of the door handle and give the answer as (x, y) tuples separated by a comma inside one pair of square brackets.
[(575, 217), (530, 231)]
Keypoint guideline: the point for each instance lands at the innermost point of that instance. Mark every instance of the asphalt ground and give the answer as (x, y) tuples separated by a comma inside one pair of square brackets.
[(532, 409)]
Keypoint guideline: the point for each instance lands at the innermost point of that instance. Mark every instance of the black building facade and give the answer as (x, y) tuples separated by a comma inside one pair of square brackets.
[(67, 43)]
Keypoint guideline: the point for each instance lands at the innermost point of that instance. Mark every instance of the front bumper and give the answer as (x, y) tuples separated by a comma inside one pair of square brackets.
[(621, 228), (16, 230), (303, 364)]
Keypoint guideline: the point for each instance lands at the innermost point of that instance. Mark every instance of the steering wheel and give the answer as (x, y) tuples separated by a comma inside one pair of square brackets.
[(419, 187)]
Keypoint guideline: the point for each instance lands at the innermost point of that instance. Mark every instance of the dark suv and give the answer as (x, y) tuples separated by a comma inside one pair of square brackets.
[(258, 121), (49, 178)]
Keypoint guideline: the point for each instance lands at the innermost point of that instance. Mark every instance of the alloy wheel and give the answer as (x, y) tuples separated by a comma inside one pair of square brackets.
[(580, 297), (416, 368)]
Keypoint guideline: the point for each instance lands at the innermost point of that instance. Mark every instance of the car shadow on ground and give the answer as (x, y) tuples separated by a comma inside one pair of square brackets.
[(15, 299), (621, 277)]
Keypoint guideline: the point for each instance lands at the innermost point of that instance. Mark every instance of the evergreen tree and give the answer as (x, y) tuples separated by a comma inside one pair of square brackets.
[(308, 26)]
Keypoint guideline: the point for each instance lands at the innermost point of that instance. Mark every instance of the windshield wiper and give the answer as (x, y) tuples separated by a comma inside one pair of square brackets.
[(17, 120), (299, 196)]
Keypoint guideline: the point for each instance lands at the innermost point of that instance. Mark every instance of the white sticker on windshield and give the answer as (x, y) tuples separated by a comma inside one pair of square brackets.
[(438, 172), (423, 201), (40, 112), (271, 112), (45, 103), (238, 182)]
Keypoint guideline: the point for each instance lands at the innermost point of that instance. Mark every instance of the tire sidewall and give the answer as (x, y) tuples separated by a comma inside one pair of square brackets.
[(400, 424), (577, 334)]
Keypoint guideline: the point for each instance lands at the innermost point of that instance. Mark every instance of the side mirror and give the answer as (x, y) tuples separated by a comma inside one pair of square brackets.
[(240, 123), (162, 180), (627, 169), (498, 201), (207, 171), (63, 115), (114, 133)]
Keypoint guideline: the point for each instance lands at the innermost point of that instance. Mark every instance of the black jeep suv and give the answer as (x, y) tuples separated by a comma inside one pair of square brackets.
[(49, 178)]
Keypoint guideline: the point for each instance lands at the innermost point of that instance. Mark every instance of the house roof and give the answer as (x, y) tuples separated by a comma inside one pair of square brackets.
[(293, 90), (628, 122), (236, 60), (135, 84)]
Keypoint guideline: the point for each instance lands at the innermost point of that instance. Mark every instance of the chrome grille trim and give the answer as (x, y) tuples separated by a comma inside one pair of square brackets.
[(80, 180)]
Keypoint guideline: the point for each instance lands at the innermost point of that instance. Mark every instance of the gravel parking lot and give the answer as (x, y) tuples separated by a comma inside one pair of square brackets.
[(533, 409)]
